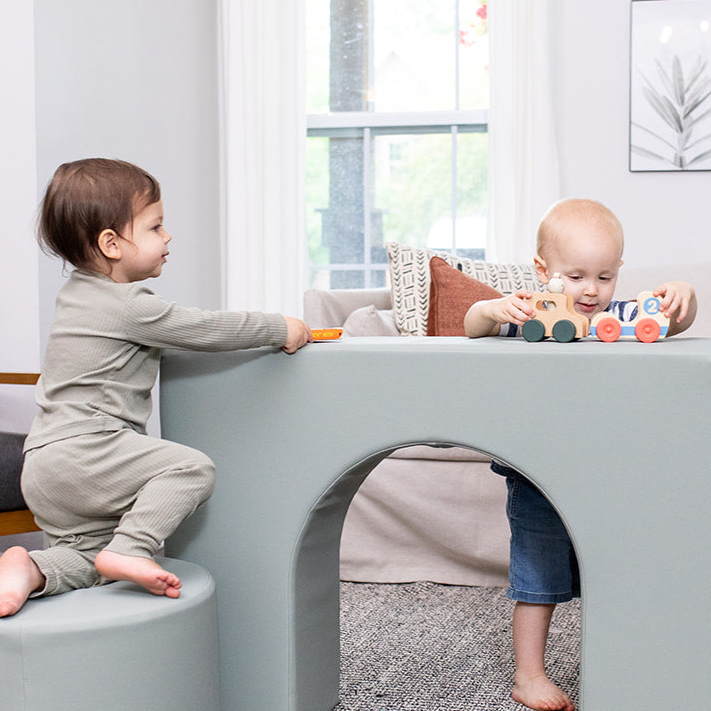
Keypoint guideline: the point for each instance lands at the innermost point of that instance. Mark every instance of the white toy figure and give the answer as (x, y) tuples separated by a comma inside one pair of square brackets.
[(555, 285)]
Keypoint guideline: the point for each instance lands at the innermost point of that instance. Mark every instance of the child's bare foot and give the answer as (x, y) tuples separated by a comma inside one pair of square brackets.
[(540, 693), (142, 571), (19, 576)]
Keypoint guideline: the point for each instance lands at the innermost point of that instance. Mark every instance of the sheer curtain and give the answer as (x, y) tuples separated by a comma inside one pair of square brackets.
[(263, 148), (524, 175)]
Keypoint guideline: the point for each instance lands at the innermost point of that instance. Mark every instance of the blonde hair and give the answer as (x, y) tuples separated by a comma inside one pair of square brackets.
[(554, 222)]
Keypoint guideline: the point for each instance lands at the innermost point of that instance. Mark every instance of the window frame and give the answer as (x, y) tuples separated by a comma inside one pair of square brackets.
[(368, 124)]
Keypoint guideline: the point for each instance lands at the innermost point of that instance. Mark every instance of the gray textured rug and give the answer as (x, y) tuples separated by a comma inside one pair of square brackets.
[(429, 647)]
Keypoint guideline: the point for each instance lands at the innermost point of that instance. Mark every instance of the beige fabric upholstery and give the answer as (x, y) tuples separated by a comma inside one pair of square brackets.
[(439, 519), (326, 309)]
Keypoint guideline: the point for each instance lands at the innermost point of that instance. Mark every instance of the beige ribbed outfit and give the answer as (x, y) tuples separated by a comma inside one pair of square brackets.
[(92, 477)]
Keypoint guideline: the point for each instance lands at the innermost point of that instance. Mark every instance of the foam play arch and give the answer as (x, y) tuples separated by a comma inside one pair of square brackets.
[(614, 434)]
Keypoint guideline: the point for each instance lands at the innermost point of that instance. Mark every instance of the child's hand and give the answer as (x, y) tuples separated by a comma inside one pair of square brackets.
[(678, 297), (297, 334), (511, 309), (485, 317)]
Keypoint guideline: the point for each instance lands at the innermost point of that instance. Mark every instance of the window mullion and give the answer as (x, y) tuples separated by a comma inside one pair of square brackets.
[(454, 186), (367, 204)]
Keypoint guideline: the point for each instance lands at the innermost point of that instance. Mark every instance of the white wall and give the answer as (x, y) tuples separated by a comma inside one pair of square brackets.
[(19, 342), (137, 80), (19, 295), (664, 214)]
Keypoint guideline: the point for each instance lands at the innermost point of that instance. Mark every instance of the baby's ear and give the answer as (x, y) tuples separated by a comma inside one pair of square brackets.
[(541, 269), (109, 244)]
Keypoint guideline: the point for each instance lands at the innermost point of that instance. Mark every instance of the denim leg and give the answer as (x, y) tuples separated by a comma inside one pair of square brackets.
[(543, 567)]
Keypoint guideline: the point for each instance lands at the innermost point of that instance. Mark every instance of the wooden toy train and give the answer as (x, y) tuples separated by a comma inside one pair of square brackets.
[(649, 325), (557, 318)]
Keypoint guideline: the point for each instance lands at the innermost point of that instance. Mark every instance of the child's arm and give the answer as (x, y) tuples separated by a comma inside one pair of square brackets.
[(297, 334), (484, 318), (678, 298)]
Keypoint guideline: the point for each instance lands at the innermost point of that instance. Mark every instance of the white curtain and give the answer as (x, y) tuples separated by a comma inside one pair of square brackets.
[(263, 144), (524, 175)]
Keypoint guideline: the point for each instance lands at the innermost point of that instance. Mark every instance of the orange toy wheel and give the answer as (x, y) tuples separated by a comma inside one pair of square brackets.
[(608, 329), (647, 330)]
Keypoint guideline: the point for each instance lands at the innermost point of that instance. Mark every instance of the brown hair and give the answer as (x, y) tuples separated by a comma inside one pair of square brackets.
[(86, 197), (554, 222)]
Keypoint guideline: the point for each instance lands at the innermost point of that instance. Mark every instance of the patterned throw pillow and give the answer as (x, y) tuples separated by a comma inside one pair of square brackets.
[(451, 295), (410, 282)]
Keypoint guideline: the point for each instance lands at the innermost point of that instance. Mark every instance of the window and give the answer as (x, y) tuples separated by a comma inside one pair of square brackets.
[(397, 96)]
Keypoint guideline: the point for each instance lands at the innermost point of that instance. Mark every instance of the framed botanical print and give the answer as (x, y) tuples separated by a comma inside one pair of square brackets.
[(670, 85)]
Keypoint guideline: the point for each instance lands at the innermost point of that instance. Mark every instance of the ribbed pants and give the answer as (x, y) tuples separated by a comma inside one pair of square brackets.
[(120, 491)]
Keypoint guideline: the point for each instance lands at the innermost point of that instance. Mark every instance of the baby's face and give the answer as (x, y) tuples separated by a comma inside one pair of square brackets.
[(588, 260), (145, 248)]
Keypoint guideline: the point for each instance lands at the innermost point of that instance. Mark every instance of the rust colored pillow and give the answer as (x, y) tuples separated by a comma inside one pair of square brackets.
[(451, 295)]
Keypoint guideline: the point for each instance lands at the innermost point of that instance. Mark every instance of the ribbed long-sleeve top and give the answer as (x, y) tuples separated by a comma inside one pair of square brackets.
[(104, 348)]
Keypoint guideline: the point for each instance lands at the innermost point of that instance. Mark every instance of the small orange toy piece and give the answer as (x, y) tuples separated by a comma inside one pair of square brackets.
[(326, 334)]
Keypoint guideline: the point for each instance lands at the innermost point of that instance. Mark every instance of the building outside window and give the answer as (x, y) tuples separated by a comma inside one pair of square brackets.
[(397, 97)]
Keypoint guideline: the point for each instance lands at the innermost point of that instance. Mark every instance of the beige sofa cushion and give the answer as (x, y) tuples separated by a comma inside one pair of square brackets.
[(330, 308), (439, 520), (369, 321)]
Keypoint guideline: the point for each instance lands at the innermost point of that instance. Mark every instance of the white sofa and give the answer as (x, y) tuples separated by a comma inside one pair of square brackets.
[(433, 513)]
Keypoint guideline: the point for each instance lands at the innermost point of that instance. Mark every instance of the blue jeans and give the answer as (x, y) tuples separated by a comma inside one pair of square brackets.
[(543, 568)]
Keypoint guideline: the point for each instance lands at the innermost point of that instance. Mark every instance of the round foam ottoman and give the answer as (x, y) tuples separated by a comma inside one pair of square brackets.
[(114, 648)]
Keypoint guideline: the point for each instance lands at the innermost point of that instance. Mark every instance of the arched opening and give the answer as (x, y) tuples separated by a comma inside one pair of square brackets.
[(438, 633)]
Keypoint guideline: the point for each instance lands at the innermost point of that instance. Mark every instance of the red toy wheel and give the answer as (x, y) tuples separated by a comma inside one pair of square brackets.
[(608, 329), (647, 330)]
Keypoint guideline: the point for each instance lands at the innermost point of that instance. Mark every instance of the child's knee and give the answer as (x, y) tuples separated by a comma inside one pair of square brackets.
[(206, 474), (210, 478)]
